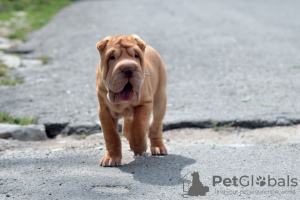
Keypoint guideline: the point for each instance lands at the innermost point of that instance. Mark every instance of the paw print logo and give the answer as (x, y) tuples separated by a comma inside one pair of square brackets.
[(261, 181)]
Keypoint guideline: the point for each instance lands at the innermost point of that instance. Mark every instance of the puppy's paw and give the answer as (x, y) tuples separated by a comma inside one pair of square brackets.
[(108, 161), (141, 153), (159, 150), (139, 149)]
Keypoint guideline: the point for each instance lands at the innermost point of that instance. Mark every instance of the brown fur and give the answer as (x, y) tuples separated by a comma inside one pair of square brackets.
[(147, 95)]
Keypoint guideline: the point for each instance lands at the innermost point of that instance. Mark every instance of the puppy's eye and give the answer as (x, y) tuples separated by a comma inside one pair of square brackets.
[(136, 56), (112, 58)]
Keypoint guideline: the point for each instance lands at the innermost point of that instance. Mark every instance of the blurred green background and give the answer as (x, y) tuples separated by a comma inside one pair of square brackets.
[(23, 16)]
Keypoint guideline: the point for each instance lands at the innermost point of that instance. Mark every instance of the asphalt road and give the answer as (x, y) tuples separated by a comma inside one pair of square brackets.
[(226, 61), (68, 167)]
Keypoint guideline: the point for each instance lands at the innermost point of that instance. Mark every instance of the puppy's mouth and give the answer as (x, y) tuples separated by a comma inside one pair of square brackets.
[(130, 93), (126, 92)]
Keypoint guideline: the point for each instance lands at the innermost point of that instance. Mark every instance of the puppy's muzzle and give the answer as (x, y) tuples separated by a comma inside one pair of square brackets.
[(128, 72), (128, 67)]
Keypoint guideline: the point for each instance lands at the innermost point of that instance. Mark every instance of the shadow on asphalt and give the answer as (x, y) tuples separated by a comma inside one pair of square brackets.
[(157, 170)]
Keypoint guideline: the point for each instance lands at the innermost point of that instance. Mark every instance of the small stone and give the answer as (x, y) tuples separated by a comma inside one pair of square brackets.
[(31, 63), (4, 130), (5, 31), (3, 40), (11, 61), (283, 122), (81, 128), (24, 133), (20, 13), (5, 46), (20, 50)]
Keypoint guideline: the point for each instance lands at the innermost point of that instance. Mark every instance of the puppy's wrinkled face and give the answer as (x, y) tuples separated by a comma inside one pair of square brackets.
[(122, 67)]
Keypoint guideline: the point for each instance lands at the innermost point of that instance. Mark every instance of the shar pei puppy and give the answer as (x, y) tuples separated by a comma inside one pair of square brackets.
[(131, 83)]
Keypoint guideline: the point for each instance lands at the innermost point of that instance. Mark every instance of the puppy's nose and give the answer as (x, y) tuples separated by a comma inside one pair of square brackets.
[(128, 72)]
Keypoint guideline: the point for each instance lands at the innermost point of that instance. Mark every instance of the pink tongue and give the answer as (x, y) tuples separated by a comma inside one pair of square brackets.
[(125, 93)]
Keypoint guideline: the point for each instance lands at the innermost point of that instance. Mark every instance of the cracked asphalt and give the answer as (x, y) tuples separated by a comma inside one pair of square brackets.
[(226, 61)]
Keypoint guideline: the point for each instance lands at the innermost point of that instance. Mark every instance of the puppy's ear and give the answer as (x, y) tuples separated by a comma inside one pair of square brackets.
[(102, 44), (139, 42)]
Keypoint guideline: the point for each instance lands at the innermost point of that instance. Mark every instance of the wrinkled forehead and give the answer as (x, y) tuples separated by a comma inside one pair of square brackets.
[(125, 42), (118, 45)]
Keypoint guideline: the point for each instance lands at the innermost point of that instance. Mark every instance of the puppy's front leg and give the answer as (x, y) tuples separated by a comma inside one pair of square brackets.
[(109, 127), (139, 128)]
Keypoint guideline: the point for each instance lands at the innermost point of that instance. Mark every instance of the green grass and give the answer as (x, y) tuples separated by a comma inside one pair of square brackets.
[(219, 127), (217, 145), (19, 34), (4, 16), (38, 13), (3, 70), (100, 148), (6, 118), (247, 99), (44, 59), (10, 82), (6, 80)]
